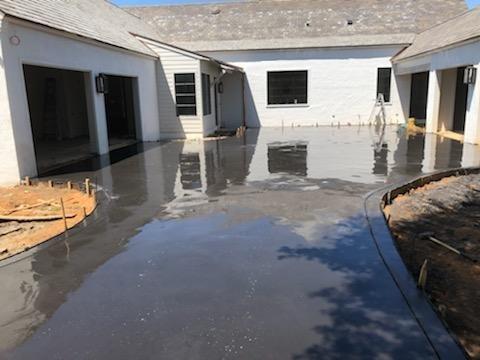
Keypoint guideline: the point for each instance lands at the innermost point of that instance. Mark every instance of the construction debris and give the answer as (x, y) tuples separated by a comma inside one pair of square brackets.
[(31, 214), (436, 229)]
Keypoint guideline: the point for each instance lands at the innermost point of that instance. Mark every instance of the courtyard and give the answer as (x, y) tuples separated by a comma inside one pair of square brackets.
[(249, 247)]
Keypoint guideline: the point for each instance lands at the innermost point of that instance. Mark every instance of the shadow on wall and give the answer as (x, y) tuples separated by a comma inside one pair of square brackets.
[(367, 317), (232, 103), (251, 117)]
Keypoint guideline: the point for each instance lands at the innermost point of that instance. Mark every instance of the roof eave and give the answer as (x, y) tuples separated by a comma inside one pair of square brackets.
[(90, 40), (397, 58), (190, 53)]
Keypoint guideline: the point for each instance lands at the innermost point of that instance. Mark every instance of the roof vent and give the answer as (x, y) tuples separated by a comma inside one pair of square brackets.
[(216, 11), (349, 22)]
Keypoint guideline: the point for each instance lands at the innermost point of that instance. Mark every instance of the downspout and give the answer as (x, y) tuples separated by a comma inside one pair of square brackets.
[(244, 123)]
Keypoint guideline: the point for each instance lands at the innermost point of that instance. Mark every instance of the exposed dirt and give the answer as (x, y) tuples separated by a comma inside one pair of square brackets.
[(448, 210), (22, 203)]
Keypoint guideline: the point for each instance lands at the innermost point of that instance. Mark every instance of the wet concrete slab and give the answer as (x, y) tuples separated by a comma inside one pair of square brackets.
[(242, 248)]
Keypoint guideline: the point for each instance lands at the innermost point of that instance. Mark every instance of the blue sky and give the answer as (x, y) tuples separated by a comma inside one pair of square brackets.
[(471, 3)]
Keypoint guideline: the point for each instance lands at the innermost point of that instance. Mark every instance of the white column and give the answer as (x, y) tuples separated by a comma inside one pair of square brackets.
[(429, 153), (433, 100), (99, 124), (470, 155), (472, 117), (10, 173)]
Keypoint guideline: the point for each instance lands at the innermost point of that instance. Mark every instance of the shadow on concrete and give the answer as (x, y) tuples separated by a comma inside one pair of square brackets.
[(101, 161), (368, 316)]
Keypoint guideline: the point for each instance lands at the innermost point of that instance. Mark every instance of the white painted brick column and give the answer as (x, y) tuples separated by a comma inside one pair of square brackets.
[(433, 100), (470, 155), (472, 116), (9, 170), (429, 153), (100, 121)]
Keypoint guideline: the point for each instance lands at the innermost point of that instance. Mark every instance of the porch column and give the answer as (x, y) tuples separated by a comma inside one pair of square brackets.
[(472, 116), (97, 117), (470, 155), (433, 100), (429, 153)]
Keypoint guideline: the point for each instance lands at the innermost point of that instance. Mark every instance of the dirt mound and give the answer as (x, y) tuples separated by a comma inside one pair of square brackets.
[(30, 215), (447, 211)]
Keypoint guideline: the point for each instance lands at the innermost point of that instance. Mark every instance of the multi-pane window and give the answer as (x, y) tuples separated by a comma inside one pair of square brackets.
[(207, 101), (287, 87), (384, 76), (185, 94)]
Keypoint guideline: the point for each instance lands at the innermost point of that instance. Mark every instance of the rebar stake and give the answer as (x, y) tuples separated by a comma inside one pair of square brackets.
[(63, 214), (422, 277)]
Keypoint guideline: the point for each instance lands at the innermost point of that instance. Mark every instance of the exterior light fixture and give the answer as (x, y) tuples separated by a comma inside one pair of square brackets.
[(220, 87), (14, 40), (101, 84), (469, 75)]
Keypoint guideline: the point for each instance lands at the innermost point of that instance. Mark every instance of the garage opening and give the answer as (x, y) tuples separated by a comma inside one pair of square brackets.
[(121, 111), (418, 97), (460, 107), (58, 115)]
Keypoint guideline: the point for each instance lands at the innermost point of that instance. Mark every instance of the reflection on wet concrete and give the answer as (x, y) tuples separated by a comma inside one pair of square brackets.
[(190, 171), (216, 256), (380, 164), (287, 158)]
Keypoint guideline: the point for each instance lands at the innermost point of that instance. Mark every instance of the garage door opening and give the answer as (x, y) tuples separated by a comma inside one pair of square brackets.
[(58, 115), (418, 97), (121, 111)]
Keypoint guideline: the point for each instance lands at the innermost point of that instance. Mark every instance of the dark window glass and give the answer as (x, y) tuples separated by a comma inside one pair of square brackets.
[(384, 76), (185, 94), (206, 96), (287, 87)]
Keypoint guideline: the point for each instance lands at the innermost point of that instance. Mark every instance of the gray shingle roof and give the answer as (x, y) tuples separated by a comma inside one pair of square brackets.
[(305, 23), (453, 31), (94, 19)]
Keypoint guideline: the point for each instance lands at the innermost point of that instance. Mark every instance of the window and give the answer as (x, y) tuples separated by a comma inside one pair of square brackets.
[(185, 94), (287, 87), (384, 76), (206, 97)]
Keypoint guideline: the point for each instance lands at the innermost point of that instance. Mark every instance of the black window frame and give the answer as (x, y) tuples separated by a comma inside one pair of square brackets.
[(206, 94), (289, 98), (188, 108), (384, 83)]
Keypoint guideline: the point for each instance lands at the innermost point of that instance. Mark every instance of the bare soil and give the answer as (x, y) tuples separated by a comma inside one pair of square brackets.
[(38, 202), (448, 210)]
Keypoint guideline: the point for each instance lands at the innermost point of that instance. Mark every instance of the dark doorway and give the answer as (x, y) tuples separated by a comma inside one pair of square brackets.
[(58, 116), (418, 96), (460, 109), (120, 111)]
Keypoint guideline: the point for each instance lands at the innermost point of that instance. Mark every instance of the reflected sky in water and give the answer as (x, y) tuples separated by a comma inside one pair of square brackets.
[(251, 247)]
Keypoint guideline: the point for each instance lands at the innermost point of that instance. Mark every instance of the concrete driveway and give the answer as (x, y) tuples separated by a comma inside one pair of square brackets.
[(243, 248)]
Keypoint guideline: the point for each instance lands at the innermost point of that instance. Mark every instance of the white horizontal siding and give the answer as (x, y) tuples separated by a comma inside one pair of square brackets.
[(171, 63), (209, 125)]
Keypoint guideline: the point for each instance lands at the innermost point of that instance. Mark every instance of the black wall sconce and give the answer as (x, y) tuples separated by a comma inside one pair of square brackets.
[(220, 87), (470, 75), (101, 83)]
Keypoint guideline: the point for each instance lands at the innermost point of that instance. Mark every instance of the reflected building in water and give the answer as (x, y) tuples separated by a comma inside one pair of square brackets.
[(287, 158)]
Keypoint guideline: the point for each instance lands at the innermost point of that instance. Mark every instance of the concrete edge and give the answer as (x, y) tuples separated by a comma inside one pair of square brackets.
[(442, 340)]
